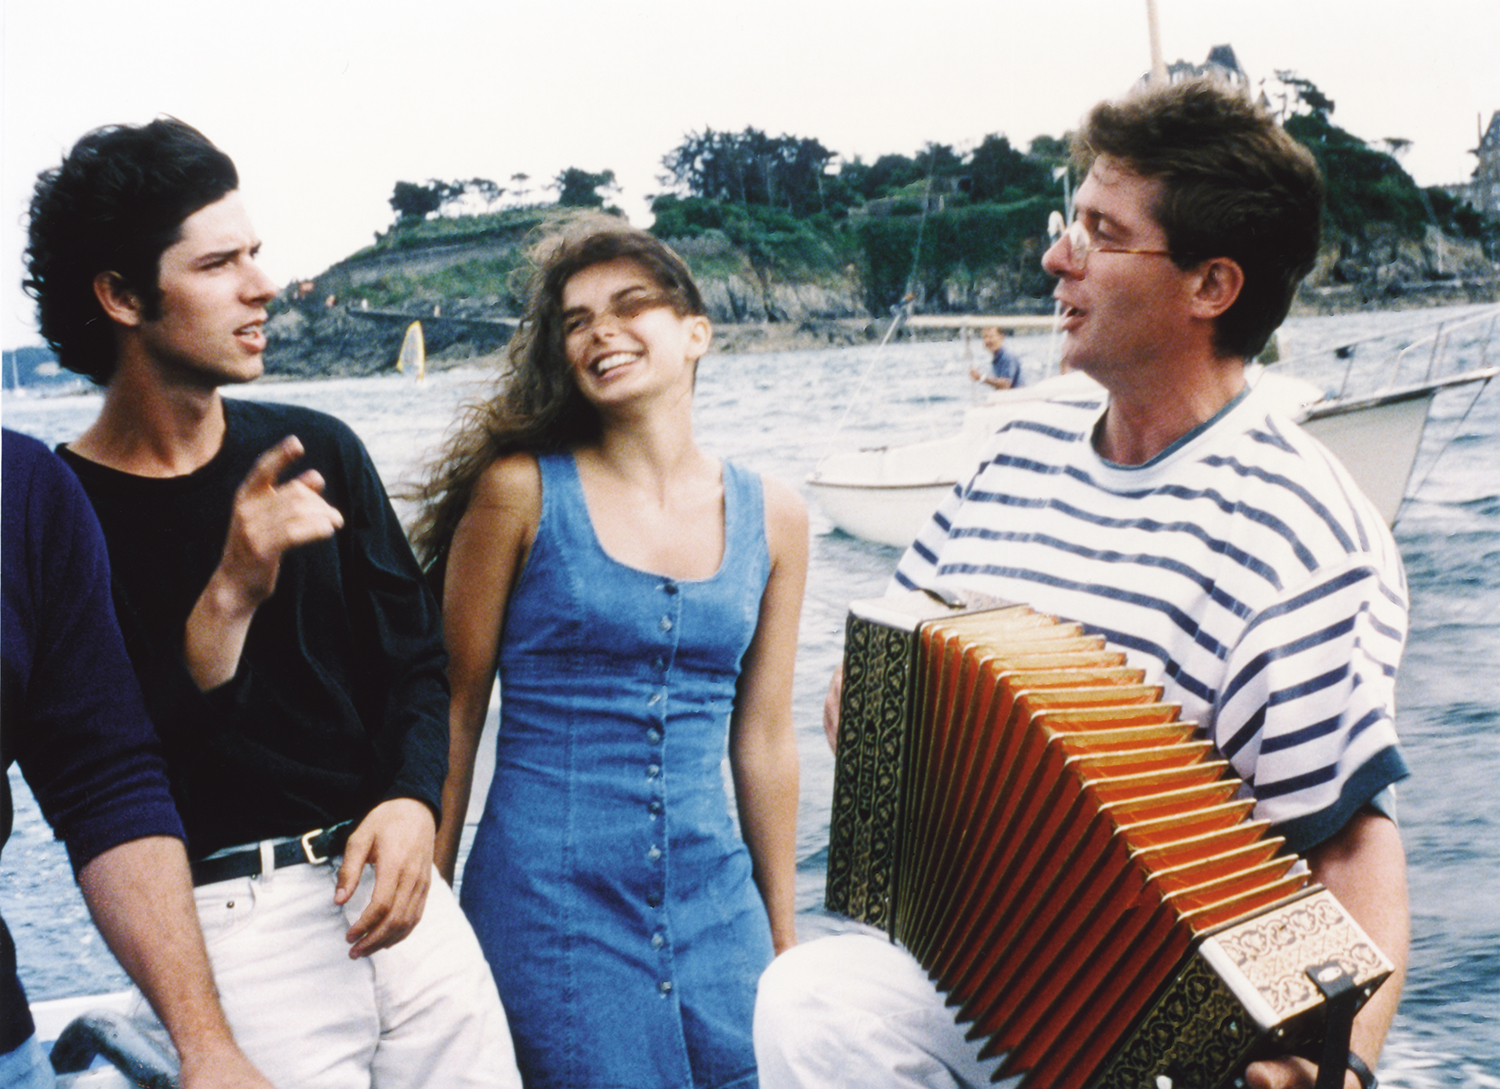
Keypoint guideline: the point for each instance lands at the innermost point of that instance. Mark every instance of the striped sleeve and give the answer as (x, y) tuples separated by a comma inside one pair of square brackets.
[(1307, 713)]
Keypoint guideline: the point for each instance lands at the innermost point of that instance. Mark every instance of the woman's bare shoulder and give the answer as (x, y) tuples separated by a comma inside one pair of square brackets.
[(786, 514), (511, 482)]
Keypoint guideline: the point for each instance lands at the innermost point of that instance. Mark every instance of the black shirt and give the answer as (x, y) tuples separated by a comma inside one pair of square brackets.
[(340, 701)]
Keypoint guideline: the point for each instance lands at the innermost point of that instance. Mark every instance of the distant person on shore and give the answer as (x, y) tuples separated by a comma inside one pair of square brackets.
[(1183, 516), (286, 643), (74, 721), (1004, 371), (639, 599)]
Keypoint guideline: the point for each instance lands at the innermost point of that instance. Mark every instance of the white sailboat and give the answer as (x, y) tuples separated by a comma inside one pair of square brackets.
[(412, 358), (885, 494)]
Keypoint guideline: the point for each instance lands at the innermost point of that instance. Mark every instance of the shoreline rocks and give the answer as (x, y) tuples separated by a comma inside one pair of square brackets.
[(325, 327)]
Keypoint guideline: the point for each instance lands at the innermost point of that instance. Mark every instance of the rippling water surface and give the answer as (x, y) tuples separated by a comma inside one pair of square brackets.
[(781, 413)]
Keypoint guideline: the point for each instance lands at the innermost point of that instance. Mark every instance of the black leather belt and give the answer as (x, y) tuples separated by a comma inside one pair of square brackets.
[(314, 847)]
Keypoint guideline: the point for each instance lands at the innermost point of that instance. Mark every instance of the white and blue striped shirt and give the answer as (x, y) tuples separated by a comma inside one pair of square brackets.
[(1241, 569)]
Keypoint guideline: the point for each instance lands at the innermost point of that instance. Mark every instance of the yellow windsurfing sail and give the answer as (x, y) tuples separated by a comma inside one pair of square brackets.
[(413, 357)]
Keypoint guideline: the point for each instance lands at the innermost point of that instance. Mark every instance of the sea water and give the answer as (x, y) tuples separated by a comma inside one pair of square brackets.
[(781, 413)]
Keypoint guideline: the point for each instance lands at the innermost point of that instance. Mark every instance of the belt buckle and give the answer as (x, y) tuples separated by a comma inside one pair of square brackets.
[(307, 848)]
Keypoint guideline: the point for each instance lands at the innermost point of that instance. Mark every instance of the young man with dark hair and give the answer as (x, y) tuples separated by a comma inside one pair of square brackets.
[(1202, 533), (286, 643)]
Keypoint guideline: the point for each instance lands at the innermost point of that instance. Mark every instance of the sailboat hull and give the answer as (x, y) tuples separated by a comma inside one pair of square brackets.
[(1377, 442), (886, 495)]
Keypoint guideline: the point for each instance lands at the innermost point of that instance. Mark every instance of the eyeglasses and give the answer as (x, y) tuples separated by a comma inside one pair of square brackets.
[(1081, 244)]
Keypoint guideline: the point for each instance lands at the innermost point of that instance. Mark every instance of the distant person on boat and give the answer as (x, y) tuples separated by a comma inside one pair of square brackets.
[(75, 722), (639, 599), (287, 646), (1004, 369), (1193, 525)]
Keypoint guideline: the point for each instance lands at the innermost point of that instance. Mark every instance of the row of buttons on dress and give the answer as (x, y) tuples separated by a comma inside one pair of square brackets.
[(656, 702)]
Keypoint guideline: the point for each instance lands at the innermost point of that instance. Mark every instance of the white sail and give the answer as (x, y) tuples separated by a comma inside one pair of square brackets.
[(413, 357)]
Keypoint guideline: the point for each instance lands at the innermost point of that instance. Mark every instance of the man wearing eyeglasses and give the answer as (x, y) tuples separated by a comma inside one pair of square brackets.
[(1200, 531)]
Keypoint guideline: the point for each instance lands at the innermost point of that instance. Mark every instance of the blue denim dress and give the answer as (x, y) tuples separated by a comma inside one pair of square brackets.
[(608, 884)]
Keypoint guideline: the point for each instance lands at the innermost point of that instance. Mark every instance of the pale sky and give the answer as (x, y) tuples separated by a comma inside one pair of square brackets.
[(325, 104)]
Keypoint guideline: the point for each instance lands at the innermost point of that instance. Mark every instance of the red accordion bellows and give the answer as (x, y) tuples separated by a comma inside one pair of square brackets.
[(1071, 863)]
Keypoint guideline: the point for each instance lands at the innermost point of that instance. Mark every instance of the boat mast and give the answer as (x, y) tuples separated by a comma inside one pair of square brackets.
[(1158, 66)]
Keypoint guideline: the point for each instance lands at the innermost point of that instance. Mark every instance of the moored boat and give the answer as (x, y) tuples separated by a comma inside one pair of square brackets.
[(885, 494)]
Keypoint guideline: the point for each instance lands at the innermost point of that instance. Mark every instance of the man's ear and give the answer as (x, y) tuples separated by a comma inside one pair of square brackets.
[(1218, 283), (120, 303)]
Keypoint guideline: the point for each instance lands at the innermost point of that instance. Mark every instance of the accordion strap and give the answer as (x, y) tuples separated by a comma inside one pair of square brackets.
[(1342, 1001), (1366, 1076)]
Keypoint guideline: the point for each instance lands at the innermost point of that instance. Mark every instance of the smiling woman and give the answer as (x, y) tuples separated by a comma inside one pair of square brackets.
[(639, 600), (620, 328)]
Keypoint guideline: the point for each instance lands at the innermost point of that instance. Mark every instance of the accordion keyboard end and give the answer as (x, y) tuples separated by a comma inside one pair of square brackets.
[(1246, 994)]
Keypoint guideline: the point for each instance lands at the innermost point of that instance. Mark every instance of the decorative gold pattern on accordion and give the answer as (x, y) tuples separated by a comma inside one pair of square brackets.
[(1197, 1034), (1273, 949), (1061, 853), (867, 778), (1210, 1023)]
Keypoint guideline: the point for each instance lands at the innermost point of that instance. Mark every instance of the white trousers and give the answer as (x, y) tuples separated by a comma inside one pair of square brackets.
[(857, 1011), (424, 1012)]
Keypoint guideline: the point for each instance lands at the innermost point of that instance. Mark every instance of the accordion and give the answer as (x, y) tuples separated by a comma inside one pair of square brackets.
[(1073, 865)]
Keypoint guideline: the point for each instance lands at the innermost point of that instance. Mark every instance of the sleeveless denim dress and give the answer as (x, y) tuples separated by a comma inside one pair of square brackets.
[(608, 884)]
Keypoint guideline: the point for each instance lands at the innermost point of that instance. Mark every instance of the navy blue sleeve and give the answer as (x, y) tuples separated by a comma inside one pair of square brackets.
[(74, 716)]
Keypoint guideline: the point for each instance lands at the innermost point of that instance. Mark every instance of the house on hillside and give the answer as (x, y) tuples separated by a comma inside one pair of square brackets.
[(1222, 65), (1483, 189)]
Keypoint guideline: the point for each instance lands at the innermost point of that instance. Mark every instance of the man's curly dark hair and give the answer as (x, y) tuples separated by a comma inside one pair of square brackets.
[(117, 201)]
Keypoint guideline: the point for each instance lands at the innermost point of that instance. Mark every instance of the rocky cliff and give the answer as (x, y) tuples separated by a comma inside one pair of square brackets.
[(351, 319)]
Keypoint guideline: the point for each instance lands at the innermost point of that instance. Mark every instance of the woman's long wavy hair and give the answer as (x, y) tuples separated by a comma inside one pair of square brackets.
[(538, 406)]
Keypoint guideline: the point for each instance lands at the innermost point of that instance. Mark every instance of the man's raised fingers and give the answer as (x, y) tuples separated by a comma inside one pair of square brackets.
[(269, 466), (312, 479)]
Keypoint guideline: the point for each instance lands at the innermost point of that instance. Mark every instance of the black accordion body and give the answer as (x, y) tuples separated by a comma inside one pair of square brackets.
[(1074, 867)]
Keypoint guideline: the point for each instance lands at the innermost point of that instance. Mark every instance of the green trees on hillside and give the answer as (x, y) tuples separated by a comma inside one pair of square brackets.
[(948, 258), (967, 230), (1370, 195), (999, 172), (580, 189), (750, 168), (938, 221), (1364, 184), (414, 202), (964, 229)]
